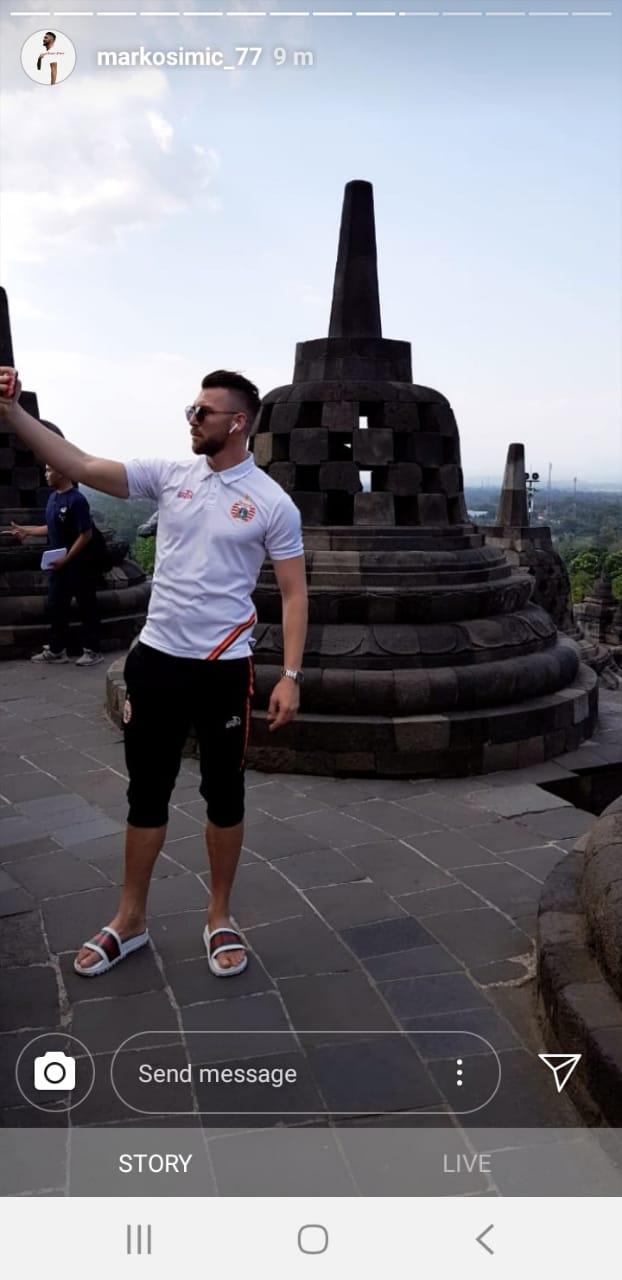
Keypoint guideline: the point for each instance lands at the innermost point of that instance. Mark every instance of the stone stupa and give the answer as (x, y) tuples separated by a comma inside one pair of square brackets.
[(530, 546), (425, 654), (123, 592)]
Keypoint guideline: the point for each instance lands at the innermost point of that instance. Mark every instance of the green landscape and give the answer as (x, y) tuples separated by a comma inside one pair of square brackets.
[(586, 528)]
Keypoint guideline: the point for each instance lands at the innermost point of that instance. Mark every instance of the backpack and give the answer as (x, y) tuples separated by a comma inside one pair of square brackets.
[(102, 556)]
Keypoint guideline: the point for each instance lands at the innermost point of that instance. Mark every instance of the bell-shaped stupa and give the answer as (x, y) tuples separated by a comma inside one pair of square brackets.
[(425, 655)]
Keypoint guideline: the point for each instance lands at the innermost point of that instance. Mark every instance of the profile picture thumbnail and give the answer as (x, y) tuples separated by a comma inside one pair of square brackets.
[(48, 57)]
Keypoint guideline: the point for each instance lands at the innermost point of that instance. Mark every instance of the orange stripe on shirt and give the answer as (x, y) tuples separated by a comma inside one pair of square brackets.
[(251, 690), (233, 635)]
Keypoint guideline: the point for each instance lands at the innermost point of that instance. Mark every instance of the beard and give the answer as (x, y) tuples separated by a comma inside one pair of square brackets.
[(208, 448)]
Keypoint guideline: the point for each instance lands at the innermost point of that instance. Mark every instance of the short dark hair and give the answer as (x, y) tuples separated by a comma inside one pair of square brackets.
[(51, 33), (231, 381)]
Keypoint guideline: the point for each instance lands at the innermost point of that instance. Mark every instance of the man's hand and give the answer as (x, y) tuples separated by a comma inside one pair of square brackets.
[(17, 531), (10, 390), (284, 702), (59, 564)]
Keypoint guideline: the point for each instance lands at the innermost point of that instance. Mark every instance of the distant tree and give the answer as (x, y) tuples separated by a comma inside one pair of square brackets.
[(613, 563), (143, 552), (589, 561), (581, 584)]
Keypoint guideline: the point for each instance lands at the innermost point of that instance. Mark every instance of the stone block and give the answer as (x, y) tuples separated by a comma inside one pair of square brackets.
[(407, 510), (354, 762), (424, 447), (374, 509), (451, 449), (404, 479), (500, 755), (338, 697), (285, 474), (7, 458), (421, 733), (268, 448), (450, 480), (531, 751), (412, 690), (285, 417), (312, 506), (438, 417), (374, 691), (26, 477), (342, 416), (372, 447), (457, 509), (401, 417), (343, 476), (433, 509), (309, 446), (554, 743)]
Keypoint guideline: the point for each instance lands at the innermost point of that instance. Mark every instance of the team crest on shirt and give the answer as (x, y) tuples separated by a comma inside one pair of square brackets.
[(243, 509), (185, 493), (127, 711)]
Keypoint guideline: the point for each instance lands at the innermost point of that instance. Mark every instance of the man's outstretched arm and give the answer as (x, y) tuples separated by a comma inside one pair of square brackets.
[(99, 473)]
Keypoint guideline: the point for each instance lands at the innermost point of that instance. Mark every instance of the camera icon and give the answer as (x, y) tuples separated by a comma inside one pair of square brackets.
[(55, 1071)]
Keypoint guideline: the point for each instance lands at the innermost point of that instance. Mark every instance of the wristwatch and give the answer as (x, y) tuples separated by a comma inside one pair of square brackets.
[(293, 675)]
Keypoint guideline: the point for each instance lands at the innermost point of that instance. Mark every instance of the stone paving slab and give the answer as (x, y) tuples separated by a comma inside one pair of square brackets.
[(54, 875), (368, 905), (479, 936), (451, 850), (516, 799), (559, 824), (14, 899), (417, 963), (436, 900), (299, 947)]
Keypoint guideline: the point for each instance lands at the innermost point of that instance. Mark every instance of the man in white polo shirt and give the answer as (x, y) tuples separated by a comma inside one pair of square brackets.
[(218, 515)]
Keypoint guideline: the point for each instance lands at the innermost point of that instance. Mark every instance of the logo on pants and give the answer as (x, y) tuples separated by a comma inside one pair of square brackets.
[(233, 722), (127, 711)]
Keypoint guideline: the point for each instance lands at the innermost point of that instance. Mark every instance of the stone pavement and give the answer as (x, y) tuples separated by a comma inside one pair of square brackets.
[(369, 905)]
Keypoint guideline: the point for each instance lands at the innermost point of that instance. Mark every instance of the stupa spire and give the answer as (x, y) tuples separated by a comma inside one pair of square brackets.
[(355, 311), (513, 501), (6, 343)]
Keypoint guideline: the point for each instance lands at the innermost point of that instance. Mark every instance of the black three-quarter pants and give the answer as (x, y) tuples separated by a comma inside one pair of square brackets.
[(165, 697)]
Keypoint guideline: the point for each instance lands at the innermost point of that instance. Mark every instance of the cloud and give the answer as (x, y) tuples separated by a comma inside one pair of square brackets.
[(161, 129), (100, 163)]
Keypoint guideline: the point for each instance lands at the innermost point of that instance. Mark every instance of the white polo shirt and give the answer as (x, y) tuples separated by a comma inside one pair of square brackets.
[(214, 529)]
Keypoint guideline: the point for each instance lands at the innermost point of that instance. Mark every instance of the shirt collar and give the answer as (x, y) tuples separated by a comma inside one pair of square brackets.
[(231, 473)]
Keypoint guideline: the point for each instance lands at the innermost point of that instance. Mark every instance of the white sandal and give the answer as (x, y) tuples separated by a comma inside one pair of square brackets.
[(111, 949), (231, 941)]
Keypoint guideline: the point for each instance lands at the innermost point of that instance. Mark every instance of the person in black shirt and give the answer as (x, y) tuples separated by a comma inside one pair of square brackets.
[(68, 524)]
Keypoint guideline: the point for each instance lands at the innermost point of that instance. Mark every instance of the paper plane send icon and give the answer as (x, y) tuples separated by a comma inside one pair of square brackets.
[(562, 1065)]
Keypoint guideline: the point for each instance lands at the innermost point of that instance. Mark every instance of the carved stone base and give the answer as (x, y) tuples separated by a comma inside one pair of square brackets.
[(451, 745)]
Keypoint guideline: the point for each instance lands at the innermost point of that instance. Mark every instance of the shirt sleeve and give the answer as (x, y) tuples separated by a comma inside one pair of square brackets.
[(81, 514), (145, 477), (284, 533)]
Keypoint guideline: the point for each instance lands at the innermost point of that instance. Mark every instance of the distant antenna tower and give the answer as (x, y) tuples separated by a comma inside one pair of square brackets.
[(549, 502)]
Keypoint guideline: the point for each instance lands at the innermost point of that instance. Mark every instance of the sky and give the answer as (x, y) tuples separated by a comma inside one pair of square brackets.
[(158, 223)]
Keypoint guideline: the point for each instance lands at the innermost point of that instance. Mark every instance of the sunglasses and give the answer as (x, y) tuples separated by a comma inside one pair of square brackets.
[(200, 412)]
